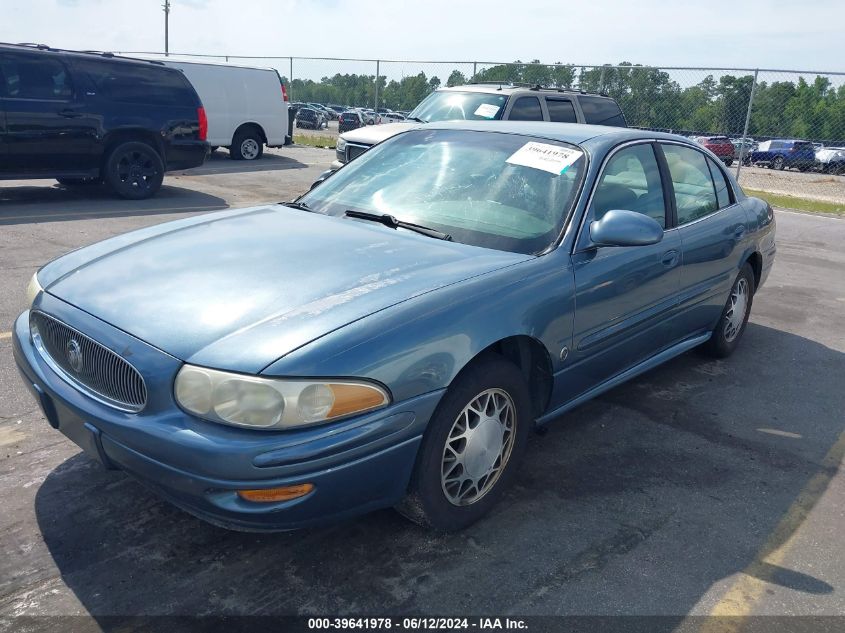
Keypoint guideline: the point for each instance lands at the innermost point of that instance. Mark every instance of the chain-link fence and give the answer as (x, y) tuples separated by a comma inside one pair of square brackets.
[(749, 106)]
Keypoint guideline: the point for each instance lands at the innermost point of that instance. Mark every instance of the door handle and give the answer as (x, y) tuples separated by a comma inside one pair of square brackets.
[(69, 114), (670, 258)]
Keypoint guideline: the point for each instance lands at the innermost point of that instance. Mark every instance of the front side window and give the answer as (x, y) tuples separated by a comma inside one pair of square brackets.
[(695, 195), (35, 77), (475, 186), (526, 109), (451, 105), (631, 182), (561, 111)]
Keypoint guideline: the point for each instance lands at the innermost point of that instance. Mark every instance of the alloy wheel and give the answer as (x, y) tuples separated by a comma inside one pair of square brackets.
[(735, 316)]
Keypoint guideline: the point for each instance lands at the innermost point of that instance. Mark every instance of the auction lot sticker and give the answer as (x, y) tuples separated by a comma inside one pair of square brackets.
[(551, 158), (487, 110)]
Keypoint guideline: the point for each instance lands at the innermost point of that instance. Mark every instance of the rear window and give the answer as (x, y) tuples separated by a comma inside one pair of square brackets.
[(601, 111), (804, 145), (139, 83)]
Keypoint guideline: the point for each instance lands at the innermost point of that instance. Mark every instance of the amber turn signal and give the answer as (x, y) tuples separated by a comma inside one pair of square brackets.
[(269, 495)]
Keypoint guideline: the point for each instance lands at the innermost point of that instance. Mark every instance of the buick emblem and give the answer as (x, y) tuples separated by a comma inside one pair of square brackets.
[(74, 355)]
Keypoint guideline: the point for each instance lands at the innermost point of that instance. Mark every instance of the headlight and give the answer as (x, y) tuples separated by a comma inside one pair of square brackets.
[(272, 403), (341, 144), (32, 289)]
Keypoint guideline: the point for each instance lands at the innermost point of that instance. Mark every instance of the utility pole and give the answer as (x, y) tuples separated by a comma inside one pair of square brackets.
[(166, 6)]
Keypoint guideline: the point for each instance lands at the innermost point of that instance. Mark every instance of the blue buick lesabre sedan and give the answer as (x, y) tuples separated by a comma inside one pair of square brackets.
[(392, 337)]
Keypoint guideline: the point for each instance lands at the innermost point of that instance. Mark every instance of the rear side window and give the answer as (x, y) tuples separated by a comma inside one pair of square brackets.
[(723, 196), (601, 111), (526, 109), (804, 147), (695, 195), (35, 77), (561, 111), (139, 83)]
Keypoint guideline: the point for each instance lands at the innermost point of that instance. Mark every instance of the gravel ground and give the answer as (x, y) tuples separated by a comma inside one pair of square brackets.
[(824, 187)]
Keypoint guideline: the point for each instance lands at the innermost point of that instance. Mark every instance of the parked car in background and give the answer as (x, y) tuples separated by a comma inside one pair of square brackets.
[(785, 153), (744, 147), (350, 120), (490, 102), (719, 145), (831, 160), (391, 117), (328, 113), (309, 118), (86, 118), (371, 117), (337, 108), (358, 366), (247, 108)]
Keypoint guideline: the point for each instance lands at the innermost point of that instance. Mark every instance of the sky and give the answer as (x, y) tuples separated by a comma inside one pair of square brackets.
[(803, 35)]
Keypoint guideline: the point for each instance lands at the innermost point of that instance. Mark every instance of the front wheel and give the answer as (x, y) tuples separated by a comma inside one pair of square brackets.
[(778, 163), (134, 170), (731, 326), (472, 447)]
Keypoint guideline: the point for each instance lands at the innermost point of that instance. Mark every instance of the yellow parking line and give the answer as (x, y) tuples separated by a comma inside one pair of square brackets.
[(739, 600), (5, 335)]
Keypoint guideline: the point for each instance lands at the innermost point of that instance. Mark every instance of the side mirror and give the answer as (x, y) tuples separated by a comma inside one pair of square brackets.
[(322, 177), (625, 228)]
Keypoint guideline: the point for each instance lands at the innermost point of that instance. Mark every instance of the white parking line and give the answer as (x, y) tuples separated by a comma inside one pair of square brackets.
[(5, 335)]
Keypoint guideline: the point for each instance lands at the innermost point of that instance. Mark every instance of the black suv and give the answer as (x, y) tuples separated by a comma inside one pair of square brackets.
[(84, 118)]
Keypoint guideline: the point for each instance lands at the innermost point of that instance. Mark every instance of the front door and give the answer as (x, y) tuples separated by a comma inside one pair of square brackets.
[(626, 296), (47, 127)]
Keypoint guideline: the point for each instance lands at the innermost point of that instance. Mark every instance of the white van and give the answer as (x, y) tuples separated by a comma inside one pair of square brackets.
[(247, 108)]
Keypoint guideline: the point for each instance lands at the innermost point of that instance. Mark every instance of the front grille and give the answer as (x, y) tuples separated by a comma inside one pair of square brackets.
[(354, 151), (89, 364)]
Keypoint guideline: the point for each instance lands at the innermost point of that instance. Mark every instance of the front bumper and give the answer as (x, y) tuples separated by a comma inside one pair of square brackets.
[(355, 465)]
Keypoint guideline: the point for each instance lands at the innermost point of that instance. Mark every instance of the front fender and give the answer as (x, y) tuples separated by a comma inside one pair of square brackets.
[(420, 345)]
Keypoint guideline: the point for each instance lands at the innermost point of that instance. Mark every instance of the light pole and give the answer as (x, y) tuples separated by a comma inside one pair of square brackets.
[(166, 6)]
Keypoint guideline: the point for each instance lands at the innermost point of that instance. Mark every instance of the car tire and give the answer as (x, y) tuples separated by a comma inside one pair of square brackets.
[(134, 170), (247, 145), (778, 163), (731, 325), (72, 181), (729, 162), (446, 494)]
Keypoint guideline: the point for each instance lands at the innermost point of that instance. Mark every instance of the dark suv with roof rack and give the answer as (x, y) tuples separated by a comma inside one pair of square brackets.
[(85, 118), (489, 102)]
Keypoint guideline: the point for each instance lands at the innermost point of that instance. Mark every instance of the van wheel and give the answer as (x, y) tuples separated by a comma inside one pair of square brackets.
[(472, 447), (247, 145), (134, 170)]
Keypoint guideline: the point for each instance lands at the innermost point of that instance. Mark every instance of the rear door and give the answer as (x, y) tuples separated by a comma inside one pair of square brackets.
[(561, 110), (713, 230), (626, 296), (48, 128)]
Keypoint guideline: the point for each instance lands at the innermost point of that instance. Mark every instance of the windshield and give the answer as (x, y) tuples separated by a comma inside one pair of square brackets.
[(502, 191), (448, 105)]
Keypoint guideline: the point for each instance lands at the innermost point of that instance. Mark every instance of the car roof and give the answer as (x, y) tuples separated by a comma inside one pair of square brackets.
[(575, 133), (95, 55), (509, 88)]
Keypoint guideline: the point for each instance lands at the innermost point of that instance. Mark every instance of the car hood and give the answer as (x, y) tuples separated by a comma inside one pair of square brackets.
[(238, 290), (372, 134)]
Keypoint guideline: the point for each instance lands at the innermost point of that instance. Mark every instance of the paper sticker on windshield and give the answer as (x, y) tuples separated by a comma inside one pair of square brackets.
[(551, 158), (487, 110)]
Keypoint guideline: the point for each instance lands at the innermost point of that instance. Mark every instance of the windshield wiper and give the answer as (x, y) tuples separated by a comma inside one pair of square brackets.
[(297, 205), (394, 223), (413, 118)]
